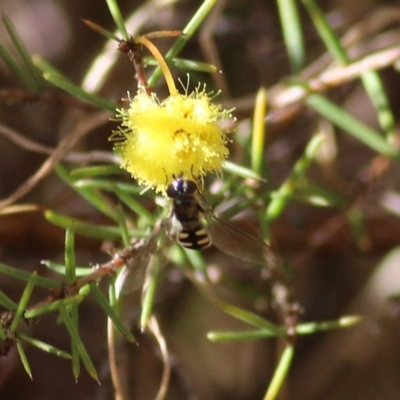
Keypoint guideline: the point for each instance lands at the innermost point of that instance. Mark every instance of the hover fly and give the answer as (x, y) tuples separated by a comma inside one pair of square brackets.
[(194, 226), (186, 210)]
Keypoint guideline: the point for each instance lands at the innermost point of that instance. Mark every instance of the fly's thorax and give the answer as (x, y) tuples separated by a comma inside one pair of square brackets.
[(186, 209)]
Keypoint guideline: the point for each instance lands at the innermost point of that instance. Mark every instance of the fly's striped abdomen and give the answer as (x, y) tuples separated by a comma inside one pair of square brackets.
[(193, 236)]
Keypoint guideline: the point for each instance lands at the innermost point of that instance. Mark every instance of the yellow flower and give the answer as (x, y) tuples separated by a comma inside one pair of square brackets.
[(180, 136)]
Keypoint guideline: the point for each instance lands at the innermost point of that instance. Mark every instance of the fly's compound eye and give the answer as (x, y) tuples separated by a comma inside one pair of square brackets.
[(189, 187), (172, 191), (181, 187)]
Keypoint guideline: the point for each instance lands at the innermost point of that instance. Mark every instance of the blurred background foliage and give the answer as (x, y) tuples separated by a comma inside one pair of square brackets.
[(339, 266)]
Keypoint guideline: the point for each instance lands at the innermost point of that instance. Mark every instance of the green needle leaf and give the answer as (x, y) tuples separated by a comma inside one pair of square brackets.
[(25, 276), (6, 302), (354, 127), (23, 304), (70, 275), (44, 346), (293, 36), (36, 81), (111, 312), (56, 305), (280, 373), (24, 360), (76, 91), (77, 342), (117, 16)]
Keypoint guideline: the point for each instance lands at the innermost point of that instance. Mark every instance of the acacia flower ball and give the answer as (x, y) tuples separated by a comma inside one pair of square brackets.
[(179, 136)]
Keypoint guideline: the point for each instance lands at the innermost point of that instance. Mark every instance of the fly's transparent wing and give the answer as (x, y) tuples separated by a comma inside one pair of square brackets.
[(238, 243), (133, 275)]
